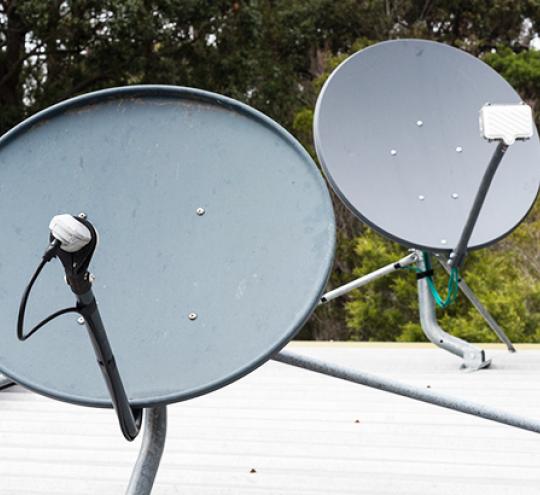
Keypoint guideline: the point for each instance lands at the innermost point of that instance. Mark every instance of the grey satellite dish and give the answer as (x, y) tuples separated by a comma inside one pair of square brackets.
[(396, 129), (216, 241)]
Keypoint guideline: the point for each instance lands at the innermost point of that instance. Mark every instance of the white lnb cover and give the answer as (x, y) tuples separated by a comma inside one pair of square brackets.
[(506, 123), (71, 233)]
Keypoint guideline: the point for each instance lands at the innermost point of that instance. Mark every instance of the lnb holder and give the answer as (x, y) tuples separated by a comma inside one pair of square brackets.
[(74, 240), (505, 124)]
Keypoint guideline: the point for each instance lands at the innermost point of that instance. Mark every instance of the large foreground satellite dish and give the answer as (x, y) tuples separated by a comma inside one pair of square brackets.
[(216, 241), (396, 129)]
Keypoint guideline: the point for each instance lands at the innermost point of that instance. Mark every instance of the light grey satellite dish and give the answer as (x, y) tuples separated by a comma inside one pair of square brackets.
[(216, 241), (396, 130)]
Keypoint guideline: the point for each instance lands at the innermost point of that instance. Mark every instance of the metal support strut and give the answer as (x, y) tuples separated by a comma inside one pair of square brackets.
[(416, 393), (370, 277), (469, 294), (473, 358), (153, 443)]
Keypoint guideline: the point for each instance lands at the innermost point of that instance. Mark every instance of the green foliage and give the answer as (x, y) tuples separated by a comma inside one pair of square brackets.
[(303, 126), (388, 309), (378, 311), (521, 70)]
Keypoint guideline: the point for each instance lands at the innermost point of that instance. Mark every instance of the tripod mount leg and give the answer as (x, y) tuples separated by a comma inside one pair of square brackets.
[(405, 390), (469, 294)]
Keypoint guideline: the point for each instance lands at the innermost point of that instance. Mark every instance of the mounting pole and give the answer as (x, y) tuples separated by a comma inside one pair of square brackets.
[(469, 294), (153, 444), (473, 358)]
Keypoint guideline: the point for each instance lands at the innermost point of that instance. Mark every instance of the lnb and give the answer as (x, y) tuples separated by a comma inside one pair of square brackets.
[(71, 232), (507, 123)]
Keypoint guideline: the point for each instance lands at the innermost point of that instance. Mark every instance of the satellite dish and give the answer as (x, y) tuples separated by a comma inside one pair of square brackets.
[(216, 241), (396, 130)]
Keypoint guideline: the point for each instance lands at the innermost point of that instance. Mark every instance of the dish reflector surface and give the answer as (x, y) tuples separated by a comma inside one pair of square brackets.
[(216, 241), (396, 129)]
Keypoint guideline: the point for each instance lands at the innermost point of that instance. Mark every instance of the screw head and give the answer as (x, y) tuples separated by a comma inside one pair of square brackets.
[(80, 320), (200, 211), (393, 152), (459, 149), (82, 215), (419, 123), (192, 316), (421, 197), (455, 195)]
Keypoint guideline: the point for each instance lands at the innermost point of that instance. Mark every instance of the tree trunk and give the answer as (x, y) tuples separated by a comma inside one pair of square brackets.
[(11, 92)]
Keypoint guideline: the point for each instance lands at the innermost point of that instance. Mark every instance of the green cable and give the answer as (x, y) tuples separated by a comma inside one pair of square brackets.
[(453, 285)]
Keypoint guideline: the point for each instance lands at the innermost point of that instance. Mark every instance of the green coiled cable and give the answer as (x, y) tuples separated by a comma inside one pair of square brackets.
[(453, 285)]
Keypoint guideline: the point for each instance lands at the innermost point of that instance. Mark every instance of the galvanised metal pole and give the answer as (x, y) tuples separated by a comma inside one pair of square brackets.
[(153, 443), (416, 393), (473, 358)]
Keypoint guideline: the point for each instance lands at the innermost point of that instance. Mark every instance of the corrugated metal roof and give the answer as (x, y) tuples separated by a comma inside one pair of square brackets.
[(301, 432)]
